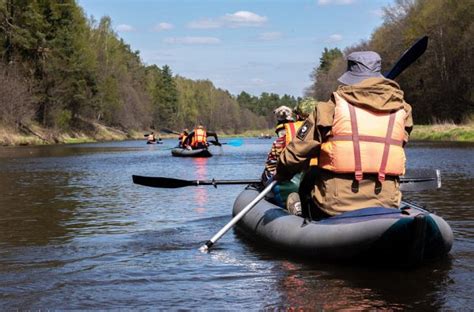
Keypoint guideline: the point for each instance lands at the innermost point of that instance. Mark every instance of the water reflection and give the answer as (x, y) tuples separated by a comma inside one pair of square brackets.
[(34, 207), (313, 286), (201, 194)]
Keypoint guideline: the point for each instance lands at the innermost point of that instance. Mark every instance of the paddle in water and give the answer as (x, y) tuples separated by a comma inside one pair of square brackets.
[(207, 245)]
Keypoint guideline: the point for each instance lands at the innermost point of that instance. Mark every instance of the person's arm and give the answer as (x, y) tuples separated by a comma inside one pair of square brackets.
[(212, 134), (307, 142), (187, 141), (408, 122), (272, 158)]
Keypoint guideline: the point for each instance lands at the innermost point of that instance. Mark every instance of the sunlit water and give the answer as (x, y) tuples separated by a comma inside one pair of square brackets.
[(75, 233)]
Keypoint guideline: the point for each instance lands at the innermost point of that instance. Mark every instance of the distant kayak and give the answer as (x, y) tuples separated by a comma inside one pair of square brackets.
[(154, 142), (183, 152), (408, 235)]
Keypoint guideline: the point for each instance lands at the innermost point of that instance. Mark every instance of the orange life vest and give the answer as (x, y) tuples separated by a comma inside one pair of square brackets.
[(291, 128), (182, 137), (200, 137), (364, 141)]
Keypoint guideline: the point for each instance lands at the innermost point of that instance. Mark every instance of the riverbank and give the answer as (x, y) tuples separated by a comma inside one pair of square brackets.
[(444, 132), (36, 135)]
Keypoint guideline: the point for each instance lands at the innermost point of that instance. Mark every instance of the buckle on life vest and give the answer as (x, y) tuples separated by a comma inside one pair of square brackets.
[(359, 175), (381, 176), (355, 186)]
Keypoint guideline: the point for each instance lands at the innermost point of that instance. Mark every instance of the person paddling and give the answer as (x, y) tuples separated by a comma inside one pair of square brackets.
[(358, 137), (286, 130), (197, 139), (182, 137)]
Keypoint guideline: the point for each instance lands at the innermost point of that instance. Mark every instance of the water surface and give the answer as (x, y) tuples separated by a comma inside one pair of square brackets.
[(75, 233)]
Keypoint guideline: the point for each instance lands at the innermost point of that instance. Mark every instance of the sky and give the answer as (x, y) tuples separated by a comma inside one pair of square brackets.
[(240, 45)]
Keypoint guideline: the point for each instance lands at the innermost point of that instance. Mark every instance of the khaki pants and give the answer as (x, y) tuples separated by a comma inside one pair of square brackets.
[(338, 193)]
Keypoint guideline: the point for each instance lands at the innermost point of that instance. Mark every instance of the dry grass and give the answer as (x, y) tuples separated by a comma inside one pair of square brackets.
[(444, 132)]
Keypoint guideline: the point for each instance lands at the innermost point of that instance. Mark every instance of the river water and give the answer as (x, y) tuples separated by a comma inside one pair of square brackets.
[(76, 233)]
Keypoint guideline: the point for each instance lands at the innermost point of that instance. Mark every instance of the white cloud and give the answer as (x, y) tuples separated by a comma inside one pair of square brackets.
[(270, 36), (192, 40), (234, 20), (334, 38), (163, 26), (125, 28), (244, 18), (335, 2)]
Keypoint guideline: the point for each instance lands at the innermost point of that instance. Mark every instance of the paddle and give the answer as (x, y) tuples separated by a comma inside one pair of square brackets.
[(408, 57), (240, 215), (426, 179), (233, 142)]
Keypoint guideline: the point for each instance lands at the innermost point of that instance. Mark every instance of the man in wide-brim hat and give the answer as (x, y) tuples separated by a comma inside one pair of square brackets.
[(358, 138)]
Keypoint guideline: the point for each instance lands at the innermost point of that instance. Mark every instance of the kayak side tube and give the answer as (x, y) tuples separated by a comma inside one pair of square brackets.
[(410, 234)]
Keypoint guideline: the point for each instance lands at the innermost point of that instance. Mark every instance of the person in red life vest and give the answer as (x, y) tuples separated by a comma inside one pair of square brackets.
[(358, 137), (182, 137), (286, 130), (198, 138)]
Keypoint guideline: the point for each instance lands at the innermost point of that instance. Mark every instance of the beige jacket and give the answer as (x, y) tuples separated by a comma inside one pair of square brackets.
[(335, 193)]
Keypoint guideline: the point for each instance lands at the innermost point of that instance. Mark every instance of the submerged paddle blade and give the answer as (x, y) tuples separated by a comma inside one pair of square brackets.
[(235, 142), (160, 182), (418, 184)]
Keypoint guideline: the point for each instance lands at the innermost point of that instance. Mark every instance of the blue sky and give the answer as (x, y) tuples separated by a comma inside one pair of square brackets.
[(247, 45)]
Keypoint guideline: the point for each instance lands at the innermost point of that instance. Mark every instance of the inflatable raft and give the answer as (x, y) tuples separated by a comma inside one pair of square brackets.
[(408, 235), (183, 152)]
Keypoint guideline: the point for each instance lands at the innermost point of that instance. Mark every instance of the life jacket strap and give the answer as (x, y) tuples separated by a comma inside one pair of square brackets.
[(386, 148), (355, 140)]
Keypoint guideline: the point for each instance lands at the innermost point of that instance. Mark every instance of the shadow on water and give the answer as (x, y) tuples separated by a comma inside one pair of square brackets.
[(325, 285), (34, 207)]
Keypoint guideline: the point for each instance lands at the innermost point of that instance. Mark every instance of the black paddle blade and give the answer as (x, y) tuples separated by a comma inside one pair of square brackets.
[(160, 182), (417, 180), (408, 57)]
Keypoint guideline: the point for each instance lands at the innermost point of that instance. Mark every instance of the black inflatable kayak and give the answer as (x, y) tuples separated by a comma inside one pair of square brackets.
[(183, 152), (408, 235)]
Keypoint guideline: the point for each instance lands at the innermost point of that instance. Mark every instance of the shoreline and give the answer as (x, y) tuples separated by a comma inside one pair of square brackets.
[(36, 135)]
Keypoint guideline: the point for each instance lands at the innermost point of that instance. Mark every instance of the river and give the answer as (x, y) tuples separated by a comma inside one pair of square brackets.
[(76, 233)]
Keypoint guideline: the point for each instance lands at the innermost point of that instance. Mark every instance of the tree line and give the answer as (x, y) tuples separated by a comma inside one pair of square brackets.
[(440, 84), (63, 70)]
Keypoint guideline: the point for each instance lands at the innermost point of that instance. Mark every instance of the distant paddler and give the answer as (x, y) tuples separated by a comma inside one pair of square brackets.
[(151, 138), (197, 139)]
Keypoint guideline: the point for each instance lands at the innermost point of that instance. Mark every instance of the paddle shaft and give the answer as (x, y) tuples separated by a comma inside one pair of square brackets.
[(236, 219), (429, 177)]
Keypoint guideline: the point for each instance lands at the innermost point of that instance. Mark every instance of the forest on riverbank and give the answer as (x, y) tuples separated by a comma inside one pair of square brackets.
[(440, 84), (64, 73)]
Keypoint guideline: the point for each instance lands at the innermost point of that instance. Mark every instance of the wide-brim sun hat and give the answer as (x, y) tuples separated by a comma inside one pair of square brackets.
[(360, 66)]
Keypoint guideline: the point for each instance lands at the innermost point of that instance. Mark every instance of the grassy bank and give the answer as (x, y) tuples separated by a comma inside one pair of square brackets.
[(36, 135), (444, 132)]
